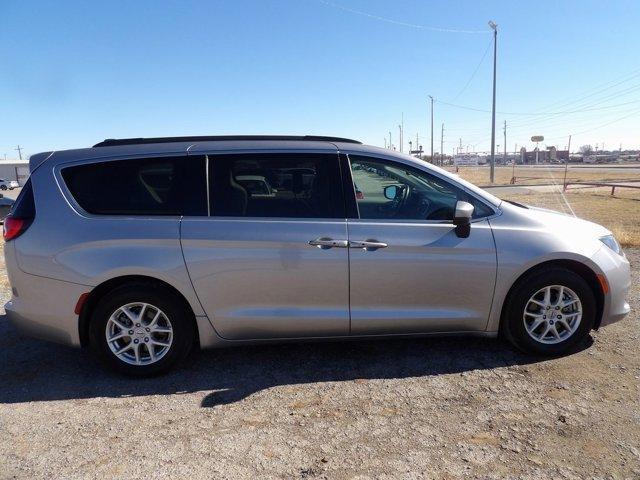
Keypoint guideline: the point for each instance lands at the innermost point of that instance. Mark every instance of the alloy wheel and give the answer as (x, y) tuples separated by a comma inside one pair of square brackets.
[(552, 314), (139, 333)]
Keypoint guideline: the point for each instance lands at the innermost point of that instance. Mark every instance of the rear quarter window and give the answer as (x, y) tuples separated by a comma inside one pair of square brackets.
[(24, 206), (147, 186)]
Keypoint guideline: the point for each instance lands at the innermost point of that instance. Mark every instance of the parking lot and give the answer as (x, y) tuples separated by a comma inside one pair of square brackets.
[(429, 408)]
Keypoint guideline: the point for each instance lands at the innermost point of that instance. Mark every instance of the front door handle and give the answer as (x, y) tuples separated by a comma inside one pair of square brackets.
[(325, 243), (369, 245)]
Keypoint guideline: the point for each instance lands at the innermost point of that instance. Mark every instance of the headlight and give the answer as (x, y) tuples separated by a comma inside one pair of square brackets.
[(611, 242)]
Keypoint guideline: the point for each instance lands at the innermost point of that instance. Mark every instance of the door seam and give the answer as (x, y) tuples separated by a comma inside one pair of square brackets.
[(195, 292), (495, 278), (348, 272)]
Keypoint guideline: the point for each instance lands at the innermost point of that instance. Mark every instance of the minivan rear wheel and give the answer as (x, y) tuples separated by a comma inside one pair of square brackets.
[(549, 312), (141, 330)]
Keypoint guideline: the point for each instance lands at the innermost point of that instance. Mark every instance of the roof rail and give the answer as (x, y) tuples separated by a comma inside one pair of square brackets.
[(112, 142)]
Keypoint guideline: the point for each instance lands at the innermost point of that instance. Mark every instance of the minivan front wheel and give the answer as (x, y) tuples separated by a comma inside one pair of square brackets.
[(140, 330), (549, 312)]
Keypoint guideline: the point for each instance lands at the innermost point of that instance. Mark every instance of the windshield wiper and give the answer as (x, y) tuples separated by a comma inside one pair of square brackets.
[(517, 204)]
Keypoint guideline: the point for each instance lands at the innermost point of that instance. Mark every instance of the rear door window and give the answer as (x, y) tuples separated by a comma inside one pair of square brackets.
[(278, 185), (144, 186)]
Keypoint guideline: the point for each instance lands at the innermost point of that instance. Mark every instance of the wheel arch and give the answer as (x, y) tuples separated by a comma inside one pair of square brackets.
[(579, 268), (99, 291)]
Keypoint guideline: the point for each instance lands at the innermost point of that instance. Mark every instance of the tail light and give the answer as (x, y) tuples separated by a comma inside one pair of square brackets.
[(14, 227), (22, 213)]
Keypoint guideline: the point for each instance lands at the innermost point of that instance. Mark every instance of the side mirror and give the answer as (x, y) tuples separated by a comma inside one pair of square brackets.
[(391, 192), (462, 218)]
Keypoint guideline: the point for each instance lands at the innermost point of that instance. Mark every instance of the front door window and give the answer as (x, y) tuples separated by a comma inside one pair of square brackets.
[(391, 190)]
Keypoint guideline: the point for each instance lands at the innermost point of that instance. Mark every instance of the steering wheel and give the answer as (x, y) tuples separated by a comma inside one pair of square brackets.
[(398, 203)]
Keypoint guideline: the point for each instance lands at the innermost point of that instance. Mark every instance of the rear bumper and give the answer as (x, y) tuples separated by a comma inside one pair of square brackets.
[(44, 308), (33, 327)]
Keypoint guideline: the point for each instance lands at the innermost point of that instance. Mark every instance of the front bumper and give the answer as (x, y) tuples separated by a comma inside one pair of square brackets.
[(617, 271)]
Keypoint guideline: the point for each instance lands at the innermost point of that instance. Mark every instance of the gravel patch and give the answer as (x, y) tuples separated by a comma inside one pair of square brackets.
[(429, 408)]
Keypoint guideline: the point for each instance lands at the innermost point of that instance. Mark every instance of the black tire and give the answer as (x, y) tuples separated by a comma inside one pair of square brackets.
[(3, 187), (167, 301), (513, 327)]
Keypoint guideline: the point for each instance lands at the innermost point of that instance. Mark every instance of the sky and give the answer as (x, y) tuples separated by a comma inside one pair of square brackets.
[(75, 72)]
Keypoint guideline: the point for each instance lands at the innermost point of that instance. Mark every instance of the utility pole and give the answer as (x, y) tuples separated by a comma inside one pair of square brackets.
[(402, 133), (566, 164), (385, 142), (442, 146), (494, 27), (515, 157), (431, 128), (390, 144), (505, 142), (400, 136), (19, 149)]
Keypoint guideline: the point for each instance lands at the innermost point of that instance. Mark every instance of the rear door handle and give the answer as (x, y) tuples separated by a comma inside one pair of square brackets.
[(325, 243), (369, 245)]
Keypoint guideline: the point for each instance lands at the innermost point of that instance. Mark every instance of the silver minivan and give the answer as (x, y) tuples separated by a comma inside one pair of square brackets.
[(144, 249)]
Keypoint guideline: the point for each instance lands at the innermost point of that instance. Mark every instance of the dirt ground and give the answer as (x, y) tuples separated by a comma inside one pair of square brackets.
[(430, 408)]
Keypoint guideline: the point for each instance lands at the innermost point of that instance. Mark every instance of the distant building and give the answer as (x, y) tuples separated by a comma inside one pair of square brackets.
[(601, 158), (15, 170), (466, 159), (530, 157), (551, 155), (562, 155)]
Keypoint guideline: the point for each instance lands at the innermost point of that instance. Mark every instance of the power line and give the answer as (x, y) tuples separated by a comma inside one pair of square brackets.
[(630, 76), (600, 126), (634, 112), (607, 86), (399, 23), (474, 72), (589, 106), (557, 121), (602, 100)]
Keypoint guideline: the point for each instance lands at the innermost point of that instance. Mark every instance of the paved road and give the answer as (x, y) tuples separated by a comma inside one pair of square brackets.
[(597, 167), (626, 168), (13, 194), (523, 189)]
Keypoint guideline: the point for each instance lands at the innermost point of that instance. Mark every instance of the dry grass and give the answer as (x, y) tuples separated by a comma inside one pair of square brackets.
[(555, 174), (619, 213)]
